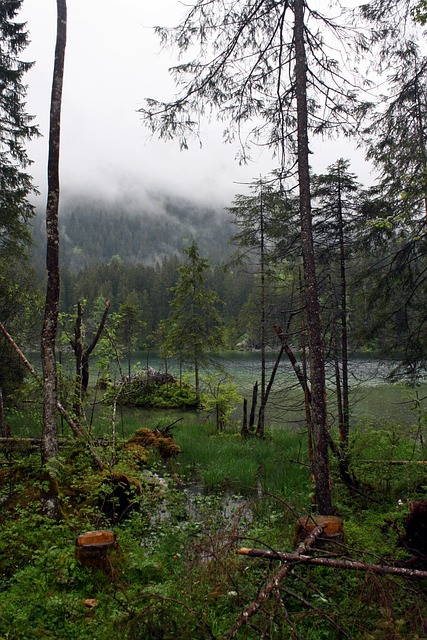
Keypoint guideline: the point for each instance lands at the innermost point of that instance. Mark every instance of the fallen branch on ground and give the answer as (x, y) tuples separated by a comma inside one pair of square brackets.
[(334, 563), (273, 584)]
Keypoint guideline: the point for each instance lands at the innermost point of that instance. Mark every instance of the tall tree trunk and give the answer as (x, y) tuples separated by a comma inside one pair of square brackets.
[(261, 415), (345, 426), (48, 338), (338, 385), (420, 125), (315, 338)]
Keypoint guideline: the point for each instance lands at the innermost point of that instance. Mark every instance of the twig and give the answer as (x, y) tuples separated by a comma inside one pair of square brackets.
[(322, 613)]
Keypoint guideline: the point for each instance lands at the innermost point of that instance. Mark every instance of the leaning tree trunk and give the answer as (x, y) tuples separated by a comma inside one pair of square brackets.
[(48, 338), (314, 325)]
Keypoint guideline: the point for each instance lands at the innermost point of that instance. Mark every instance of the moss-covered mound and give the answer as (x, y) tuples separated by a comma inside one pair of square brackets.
[(152, 389)]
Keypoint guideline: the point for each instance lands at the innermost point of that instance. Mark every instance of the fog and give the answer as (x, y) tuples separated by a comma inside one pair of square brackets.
[(113, 62)]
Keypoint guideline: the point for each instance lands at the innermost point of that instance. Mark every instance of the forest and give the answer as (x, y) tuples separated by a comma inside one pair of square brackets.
[(183, 500)]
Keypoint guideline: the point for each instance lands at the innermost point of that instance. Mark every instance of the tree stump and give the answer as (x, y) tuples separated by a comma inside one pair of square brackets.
[(332, 530), (415, 537), (93, 549)]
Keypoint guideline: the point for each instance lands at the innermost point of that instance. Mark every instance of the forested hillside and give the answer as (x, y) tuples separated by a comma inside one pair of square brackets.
[(145, 231)]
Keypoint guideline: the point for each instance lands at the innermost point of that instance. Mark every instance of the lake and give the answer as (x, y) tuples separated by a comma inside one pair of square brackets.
[(371, 395)]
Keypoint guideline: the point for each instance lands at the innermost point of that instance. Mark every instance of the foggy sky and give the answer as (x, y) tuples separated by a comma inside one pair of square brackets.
[(113, 62)]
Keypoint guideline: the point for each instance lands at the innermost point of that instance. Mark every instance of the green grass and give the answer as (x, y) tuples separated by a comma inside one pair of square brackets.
[(178, 576), (225, 460)]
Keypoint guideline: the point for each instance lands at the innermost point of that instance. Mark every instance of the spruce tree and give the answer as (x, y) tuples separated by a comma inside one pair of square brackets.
[(194, 328), (267, 66), (16, 129), (15, 189)]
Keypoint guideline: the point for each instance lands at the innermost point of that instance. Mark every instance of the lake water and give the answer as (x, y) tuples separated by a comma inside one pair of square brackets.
[(372, 395)]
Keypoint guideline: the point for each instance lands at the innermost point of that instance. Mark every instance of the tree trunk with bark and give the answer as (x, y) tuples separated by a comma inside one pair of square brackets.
[(48, 339), (314, 324), (77, 345), (260, 430), (253, 406), (344, 427)]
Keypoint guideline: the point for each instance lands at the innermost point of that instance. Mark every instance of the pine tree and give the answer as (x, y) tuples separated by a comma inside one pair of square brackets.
[(335, 211), (16, 129), (267, 65), (194, 327), (16, 187), (256, 216)]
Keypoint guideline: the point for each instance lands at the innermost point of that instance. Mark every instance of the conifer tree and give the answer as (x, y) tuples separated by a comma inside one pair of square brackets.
[(194, 327), (15, 187), (395, 134), (266, 64), (16, 129)]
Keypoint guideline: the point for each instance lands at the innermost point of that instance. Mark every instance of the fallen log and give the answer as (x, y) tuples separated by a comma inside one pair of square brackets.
[(273, 584), (392, 462), (334, 563), (12, 440)]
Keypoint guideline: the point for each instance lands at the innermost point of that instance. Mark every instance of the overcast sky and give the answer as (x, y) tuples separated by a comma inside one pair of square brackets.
[(113, 62)]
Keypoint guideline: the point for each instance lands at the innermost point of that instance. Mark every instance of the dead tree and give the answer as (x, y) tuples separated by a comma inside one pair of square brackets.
[(50, 324), (82, 354)]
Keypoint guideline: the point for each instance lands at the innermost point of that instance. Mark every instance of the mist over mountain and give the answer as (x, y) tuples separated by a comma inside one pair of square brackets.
[(134, 230)]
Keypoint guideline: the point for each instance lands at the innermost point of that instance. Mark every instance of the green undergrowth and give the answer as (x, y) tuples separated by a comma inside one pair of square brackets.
[(175, 573)]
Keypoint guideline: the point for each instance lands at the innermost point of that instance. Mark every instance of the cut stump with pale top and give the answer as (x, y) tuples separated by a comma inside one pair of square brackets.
[(92, 549), (332, 529)]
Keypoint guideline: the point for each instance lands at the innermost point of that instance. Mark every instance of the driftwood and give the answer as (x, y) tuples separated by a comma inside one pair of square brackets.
[(273, 584), (334, 563)]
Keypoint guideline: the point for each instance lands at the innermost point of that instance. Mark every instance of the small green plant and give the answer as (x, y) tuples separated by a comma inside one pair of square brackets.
[(219, 399)]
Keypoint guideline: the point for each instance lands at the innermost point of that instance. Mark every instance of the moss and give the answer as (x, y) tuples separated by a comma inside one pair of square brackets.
[(149, 391)]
